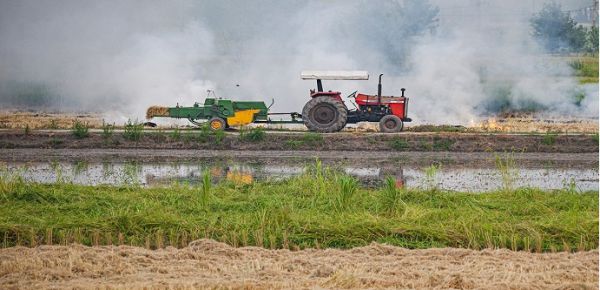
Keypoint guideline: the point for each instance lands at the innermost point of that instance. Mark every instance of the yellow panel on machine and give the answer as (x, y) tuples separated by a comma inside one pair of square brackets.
[(241, 118)]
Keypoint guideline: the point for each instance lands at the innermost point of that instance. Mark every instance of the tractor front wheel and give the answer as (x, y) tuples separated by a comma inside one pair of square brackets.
[(216, 124), (390, 124), (324, 114)]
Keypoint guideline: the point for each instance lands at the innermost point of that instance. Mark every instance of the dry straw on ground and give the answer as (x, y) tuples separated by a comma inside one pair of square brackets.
[(19, 120), (157, 111), (209, 264)]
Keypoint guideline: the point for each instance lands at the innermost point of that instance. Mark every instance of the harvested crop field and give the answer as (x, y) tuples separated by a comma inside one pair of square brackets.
[(210, 264)]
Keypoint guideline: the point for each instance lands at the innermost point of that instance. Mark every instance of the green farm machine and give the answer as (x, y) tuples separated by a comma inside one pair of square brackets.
[(220, 113), (325, 112)]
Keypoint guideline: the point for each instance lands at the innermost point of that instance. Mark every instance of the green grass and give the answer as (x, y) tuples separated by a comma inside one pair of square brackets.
[(107, 130), (175, 134), (322, 208), (549, 138), (399, 144), (80, 129), (442, 144), (133, 131), (312, 138), (586, 68), (256, 134)]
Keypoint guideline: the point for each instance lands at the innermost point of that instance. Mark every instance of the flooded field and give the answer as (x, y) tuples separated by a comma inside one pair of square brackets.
[(459, 178)]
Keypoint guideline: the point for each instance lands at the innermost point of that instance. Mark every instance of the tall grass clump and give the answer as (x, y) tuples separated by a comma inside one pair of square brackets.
[(347, 187), (205, 188), (431, 176), (133, 131), (390, 197), (256, 134), (219, 135), (319, 177), (107, 130), (508, 171), (175, 134), (80, 129)]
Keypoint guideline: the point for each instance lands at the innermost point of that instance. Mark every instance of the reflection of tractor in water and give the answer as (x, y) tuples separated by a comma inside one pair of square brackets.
[(325, 112)]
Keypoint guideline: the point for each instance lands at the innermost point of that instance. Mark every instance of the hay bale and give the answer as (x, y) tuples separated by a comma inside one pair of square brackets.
[(157, 111)]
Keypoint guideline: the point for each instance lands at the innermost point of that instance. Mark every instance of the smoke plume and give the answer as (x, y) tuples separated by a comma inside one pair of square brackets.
[(459, 60)]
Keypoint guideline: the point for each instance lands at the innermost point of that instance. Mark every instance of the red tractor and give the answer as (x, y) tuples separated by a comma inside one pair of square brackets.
[(326, 111)]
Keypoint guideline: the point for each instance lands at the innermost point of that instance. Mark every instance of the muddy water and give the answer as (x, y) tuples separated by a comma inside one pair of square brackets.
[(165, 174)]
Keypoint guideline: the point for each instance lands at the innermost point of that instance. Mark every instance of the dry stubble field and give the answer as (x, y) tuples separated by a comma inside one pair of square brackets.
[(210, 264)]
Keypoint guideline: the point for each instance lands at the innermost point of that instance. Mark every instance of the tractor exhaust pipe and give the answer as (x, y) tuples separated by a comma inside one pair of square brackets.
[(402, 89), (379, 91)]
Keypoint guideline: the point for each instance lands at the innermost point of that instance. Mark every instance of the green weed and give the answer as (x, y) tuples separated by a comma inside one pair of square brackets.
[(549, 138), (107, 130), (431, 176), (219, 135), (80, 129), (442, 144), (294, 144), (507, 168), (175, 134), (255, 134), (399, 144), (133, 131), (390, 198), (312, 138), (347, 187), (205, 189), (54, 142)]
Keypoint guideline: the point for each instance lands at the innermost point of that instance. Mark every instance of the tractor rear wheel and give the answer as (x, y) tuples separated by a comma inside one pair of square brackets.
[(390, 124), (216, 124), (324, 114)]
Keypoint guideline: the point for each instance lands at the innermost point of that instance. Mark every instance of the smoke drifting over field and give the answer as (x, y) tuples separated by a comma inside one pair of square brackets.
[(475, 58)]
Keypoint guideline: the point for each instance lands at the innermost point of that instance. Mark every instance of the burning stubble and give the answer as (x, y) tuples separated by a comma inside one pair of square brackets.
[(459, 60)]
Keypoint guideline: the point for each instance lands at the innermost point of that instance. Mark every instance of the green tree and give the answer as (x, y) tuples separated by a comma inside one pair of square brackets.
[(591, 44), (557, 31)]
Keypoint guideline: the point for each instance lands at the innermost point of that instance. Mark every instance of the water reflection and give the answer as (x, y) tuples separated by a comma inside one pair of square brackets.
[(165, 174)]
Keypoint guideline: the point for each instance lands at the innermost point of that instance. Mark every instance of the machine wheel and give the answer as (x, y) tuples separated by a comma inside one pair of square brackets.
[(216, 124), (390, 124), (324, 114)]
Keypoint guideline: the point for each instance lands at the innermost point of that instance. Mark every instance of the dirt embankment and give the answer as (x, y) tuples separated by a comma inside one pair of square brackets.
[(454, 142), (209, 264)]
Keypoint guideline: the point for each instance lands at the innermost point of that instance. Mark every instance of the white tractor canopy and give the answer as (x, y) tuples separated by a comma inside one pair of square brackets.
[(335, 75)]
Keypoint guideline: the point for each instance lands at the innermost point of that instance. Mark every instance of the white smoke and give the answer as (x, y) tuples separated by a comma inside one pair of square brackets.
[(122, 56)]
